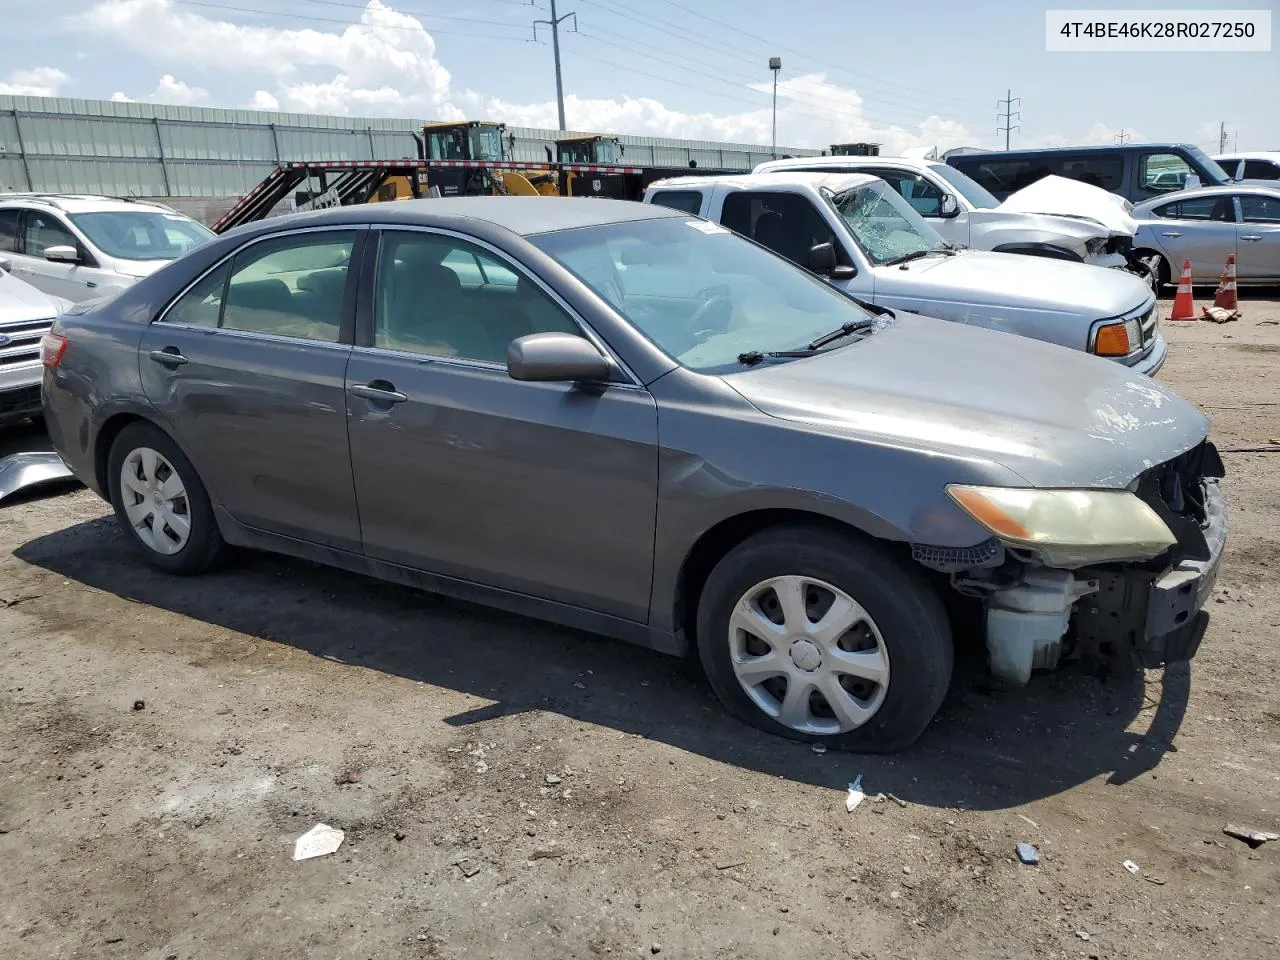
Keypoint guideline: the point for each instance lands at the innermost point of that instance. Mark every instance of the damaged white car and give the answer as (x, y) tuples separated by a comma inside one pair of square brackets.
[(1056, 218)]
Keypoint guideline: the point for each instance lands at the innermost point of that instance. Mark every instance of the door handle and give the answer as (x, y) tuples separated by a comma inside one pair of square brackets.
[(169, 357), (379, 391), (1171, 233), (1251, 236)]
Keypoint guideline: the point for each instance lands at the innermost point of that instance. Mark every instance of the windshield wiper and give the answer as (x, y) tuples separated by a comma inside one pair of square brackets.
[(752, 357), (852, 326), (916, 255)]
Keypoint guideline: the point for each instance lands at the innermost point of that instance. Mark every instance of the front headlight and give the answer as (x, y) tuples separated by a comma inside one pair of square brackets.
[(1117, 339), (1068, 528)]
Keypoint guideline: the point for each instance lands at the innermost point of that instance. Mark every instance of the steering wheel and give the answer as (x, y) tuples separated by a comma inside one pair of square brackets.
[(702, 324)]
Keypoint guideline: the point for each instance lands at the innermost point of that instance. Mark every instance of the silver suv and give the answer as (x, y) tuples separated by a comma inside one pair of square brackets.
[(80, 247)]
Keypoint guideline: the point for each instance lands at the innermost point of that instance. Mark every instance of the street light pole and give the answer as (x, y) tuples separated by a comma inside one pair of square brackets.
[(775, 64)]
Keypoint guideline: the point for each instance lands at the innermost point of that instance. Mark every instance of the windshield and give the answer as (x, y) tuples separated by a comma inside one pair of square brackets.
[(1216, 173), (966, 186), (486, 143), (702, 294), (142, 234), (885, 226)]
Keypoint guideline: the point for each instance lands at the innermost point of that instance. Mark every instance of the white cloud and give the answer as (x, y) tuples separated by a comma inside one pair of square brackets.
[(170, 91), (40, 82), (387, 65)]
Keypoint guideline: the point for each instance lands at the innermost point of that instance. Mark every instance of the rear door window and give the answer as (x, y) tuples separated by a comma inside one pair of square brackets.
[(1198, 208), (687, 201), (291, 286), (1261, 170), (786, 223), (1105, 170), (9, 231)]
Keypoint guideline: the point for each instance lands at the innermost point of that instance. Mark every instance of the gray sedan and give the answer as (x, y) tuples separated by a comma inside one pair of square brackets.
[(1204, 226), (494, 398)]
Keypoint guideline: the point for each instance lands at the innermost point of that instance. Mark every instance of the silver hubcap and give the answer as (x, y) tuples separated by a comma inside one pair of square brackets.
[(155, 501), (808, 655)]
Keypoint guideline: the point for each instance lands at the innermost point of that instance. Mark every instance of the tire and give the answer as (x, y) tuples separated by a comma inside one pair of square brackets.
[(158, 537), (904, 638)]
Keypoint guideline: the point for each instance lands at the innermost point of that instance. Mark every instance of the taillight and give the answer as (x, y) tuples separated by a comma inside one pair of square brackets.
[(52, 347)]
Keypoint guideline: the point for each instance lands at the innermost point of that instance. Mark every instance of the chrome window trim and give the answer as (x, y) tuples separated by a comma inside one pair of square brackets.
[(337, 228), (516, 266)]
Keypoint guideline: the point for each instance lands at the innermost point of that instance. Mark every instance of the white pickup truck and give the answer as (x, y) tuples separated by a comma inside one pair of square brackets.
[(858, 233), (1061, 219)]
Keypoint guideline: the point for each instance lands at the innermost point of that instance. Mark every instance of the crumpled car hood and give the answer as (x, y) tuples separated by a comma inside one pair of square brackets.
[(1054, 417), (1071, 198)]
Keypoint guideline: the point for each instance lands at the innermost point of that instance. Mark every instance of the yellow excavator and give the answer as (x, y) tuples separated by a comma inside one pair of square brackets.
[(472, 158)]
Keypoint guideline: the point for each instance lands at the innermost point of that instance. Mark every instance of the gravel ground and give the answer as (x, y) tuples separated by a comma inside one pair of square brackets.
[(511, 789)]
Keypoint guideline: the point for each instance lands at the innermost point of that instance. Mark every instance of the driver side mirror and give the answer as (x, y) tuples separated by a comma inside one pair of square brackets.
[(556, 358), (822, 261), (949, 206), (63, 253)]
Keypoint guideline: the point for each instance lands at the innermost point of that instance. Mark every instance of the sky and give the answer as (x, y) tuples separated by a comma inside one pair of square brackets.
[(921, 73)]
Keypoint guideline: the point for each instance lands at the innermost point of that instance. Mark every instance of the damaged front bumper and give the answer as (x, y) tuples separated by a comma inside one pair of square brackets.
[(1036, 615)]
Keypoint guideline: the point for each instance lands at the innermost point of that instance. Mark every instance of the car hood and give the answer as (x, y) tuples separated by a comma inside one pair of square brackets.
[(1071, 198), (1054, 417), (1012, 225), (20, 301), (1016, 281)]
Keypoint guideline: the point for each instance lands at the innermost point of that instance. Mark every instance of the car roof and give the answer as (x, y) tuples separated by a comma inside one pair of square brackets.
[(981, 154), (79, 202), (526, 216), (809, 163), (781, 178), (1249, 155), (1229, 189)]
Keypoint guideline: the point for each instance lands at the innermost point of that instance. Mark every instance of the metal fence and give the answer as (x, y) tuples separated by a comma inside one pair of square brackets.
[(151, 150)]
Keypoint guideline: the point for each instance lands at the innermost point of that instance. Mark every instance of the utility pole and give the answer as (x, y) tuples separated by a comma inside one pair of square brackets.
[(554, 24), (775, 64), (1122, 138), (1008, 115), (1222, 136)]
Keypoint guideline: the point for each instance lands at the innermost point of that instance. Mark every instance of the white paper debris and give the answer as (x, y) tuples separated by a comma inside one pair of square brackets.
[(320, 841), (856, 796), (1131, 866)]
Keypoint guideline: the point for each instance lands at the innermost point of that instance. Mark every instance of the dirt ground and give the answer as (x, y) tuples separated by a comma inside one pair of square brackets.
[(515, 790)]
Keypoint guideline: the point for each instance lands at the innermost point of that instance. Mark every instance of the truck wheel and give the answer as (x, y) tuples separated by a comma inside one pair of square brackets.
[(821, 637), (160, 502)]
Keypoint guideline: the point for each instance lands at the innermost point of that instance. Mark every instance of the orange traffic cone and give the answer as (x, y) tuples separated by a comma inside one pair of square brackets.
[(1226, 295), (1184, 305)]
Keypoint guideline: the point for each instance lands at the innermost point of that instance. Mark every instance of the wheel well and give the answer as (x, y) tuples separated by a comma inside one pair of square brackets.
[(102, 446), (727, 534)]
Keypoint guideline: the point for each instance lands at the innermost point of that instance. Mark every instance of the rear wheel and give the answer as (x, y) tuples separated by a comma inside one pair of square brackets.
[(820, 637), (160, 502)]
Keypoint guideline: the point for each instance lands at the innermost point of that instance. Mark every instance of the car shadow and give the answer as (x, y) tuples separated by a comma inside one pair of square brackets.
[(987, 748)]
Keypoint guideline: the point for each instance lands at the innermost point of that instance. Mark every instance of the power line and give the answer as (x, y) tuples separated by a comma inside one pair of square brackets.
[(356, 23), (845, 117), (931, 95), (1122, 138), (1008, 116), (676, 32)]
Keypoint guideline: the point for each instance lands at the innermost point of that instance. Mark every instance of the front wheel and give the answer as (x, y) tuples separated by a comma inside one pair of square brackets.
[(160, 502), (820, 637)]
